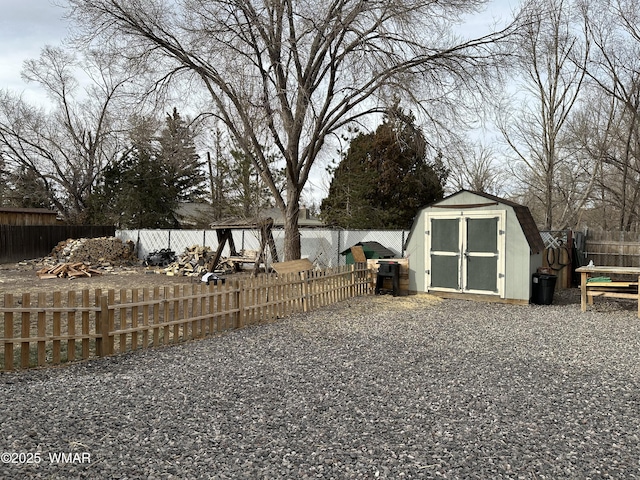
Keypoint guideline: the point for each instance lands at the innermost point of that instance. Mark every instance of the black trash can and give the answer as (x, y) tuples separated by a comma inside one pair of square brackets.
[(543, 287)]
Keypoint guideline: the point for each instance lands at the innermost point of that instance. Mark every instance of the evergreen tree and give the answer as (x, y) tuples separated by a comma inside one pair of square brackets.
[(143, 187), (183, 165), (138, 190), (24, 188), (384, 178), (135, 193)]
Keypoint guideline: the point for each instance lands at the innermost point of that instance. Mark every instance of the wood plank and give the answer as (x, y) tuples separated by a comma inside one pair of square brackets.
[(99, 314), (611, 284), (145, 318), (45, 276), (633, 296), (85, 323), (190, 309), (175, 313), (156, 317), (57, 301), (358, 254), (122, 314), (111, 323), (25, 327), (42, 329), (134, 319), (71, 326), (166, 315), (292, 266)]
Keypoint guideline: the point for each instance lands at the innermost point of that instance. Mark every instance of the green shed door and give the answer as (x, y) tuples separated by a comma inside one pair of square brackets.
[(481, 254), (445, 253), (465, 253)]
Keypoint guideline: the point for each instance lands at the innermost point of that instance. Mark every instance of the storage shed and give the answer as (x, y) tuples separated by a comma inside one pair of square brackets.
[(474, 245), (372, 250), (27, 216)]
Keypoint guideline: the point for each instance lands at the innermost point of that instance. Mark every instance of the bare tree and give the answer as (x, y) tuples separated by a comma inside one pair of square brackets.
[(553, 54), (615, 72), (287, 74), (68, 146), (474, 167)]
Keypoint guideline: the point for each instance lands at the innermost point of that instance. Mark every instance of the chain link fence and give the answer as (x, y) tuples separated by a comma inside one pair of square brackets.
[(323, 247)]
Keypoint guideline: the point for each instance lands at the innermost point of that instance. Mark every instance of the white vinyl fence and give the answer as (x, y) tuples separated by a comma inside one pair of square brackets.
[(322, 246)]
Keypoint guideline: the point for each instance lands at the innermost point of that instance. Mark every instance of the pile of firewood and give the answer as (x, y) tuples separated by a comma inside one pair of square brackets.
[(236, 263), (68, 270), (195, 261), (198, 260), (94, 250)]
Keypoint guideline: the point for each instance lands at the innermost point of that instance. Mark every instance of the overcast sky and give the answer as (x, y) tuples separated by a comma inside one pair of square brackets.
[(25, 27)]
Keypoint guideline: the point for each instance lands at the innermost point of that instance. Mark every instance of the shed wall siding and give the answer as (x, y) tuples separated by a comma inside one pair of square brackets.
[(415, 251), (518, 260), (14, 218)]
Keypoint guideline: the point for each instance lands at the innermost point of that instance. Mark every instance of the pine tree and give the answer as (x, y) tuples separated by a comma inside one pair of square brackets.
[(143, 188), (183, 165), (24, 188), (384, 178), (138, 190)]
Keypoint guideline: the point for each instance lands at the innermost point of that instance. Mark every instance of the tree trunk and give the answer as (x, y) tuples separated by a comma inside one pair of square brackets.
[(292, 249)]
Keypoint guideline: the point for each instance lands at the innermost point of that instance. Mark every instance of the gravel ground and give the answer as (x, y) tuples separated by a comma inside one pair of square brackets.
[(371, 388)]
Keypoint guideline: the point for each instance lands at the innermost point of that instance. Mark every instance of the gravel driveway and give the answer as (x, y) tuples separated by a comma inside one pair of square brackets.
[(371, 388)]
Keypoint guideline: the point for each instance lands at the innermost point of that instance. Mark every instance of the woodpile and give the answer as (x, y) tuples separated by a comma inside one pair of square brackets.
[(102, 250), (198, 260), (195, 261), (68, 270), (86, 257)]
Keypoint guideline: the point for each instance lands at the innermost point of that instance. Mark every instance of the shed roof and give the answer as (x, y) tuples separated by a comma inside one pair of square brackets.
[(39, 211), (523, 214), (272, 214), (191, 214), (381, 250)]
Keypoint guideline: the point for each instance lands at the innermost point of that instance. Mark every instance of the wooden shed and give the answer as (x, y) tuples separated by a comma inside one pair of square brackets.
[(27, 216), (474, 245)]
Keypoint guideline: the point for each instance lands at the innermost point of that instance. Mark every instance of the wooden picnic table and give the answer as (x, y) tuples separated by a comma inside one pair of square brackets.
[(614, 288)]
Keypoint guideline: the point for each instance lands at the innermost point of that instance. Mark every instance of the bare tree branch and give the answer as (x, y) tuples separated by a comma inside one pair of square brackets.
[(288, 74)]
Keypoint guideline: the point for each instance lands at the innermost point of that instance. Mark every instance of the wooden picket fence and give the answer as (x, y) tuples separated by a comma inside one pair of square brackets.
[(50, 329)]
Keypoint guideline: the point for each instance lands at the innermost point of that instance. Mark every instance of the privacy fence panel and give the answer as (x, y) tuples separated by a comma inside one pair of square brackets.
[(323, 247), (25, 242), (621, 249)]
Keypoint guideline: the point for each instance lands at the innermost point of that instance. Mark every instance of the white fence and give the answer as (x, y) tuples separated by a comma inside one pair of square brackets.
[(322, 246)]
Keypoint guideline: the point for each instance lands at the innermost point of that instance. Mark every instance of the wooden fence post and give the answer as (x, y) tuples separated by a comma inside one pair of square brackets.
[(102, 320), (57, 328), (8, 333), (305, 289), (111, 300), (353, 289), (85, 324), (42, 329), (25, 328), (240, 303), (71, 327)]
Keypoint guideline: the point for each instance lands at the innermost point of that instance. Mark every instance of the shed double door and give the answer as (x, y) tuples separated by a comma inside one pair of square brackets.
[(466, 253)]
